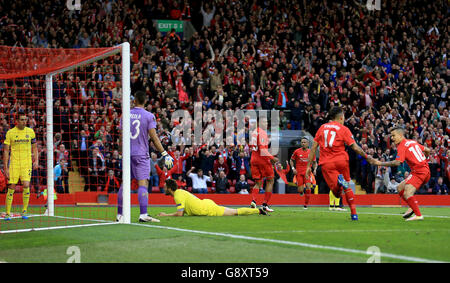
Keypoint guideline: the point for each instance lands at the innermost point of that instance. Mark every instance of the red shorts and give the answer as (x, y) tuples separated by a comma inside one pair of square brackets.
[(301, 180), (418, 179), (261, 170), (331, 172)]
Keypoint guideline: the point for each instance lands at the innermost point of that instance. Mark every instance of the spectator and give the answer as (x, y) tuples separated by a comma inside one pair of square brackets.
[(207, 161), (163, 175), (440, 188), (392, 183), (112, 183), (199, 180), (242, 186), (96, 169), (154, 177), (381, 173), (179, 160), (115, 163), (208, 14), (61, 175), (220, 165), (222, 184), (296, 116), (61, 153), (242, 163), (181, 182)]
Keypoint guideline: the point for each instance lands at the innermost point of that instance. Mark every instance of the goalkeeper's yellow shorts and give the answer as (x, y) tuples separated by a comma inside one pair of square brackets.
[(19, 172)]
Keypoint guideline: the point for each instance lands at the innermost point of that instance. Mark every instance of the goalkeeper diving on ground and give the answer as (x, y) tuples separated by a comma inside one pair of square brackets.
[(189, 204)]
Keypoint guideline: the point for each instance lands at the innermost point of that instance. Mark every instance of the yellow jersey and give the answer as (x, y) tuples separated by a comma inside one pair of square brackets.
[(192, 205), (20, 142)]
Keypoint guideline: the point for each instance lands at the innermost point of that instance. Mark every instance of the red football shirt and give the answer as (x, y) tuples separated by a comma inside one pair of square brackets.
[(332, 138), (412, 152), (300, 157), (259, 144)]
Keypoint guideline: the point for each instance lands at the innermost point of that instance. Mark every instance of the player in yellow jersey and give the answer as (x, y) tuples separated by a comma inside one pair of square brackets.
[(189, 204), (335, 203), (20, 152)]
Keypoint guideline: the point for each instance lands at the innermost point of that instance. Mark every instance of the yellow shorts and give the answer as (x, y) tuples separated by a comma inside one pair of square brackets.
[(213, 209), (23, 173)]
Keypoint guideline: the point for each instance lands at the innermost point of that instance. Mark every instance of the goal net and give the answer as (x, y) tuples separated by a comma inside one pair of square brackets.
[(73, 102)]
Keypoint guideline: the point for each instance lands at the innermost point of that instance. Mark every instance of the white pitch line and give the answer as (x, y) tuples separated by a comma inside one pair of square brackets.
[(377, 213), (306, 245), (341, 231), (55, 227)]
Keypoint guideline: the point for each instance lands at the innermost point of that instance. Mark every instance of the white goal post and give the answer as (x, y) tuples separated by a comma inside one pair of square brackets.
[(126, 94)]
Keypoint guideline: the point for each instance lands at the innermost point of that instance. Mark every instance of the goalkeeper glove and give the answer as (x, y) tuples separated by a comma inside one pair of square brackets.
[(168, 160)]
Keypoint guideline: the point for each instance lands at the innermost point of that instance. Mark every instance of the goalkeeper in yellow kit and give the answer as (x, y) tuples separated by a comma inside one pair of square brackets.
[(191, 205), (20, 141)]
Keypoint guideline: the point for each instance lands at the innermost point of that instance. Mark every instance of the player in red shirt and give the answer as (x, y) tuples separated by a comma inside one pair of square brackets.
[(261, 165), (415, 156), (300, 157), (332, 138)]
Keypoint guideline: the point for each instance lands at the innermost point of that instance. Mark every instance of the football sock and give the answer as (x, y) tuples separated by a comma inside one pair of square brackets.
[(331, 197), (143, 199), (247, 211), (412, 202), (9, 200), (307, 196), (267, 196), (351, 200), (26, 198), (119, 200)]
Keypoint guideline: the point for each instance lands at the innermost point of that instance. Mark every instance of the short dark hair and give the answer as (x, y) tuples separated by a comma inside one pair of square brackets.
[(398, 128), (140, 97), (171, 184), (21, 113), (335, 111)]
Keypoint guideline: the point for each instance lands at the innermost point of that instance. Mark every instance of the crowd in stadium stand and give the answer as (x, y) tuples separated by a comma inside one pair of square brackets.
[(384, 68)]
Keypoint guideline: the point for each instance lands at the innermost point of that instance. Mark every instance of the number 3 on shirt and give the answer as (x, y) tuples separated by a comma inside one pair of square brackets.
[(332, 137), (417, 153), (136, 124)]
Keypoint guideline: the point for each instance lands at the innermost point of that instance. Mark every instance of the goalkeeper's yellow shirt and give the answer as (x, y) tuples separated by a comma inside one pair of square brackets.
[(192, 205), (20, 142)]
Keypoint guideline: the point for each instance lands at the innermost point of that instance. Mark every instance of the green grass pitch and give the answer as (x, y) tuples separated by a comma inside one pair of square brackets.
[(290, 234)]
